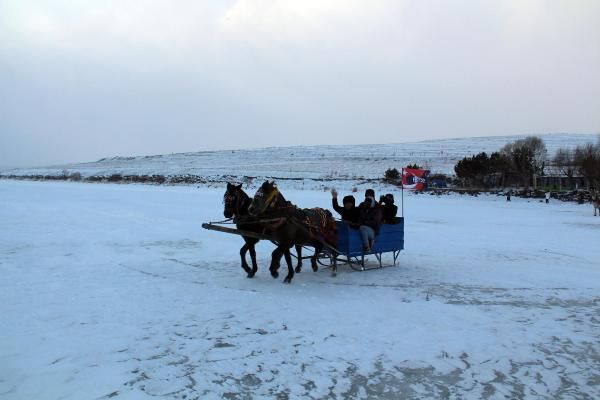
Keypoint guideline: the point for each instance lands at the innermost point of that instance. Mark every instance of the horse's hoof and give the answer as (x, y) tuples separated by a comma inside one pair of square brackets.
[(251, 274), (315, 268), (298, 269), (287, 280), (275, 274)]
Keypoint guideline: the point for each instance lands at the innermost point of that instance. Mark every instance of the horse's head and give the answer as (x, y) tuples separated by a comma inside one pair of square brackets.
[(265, 197), (232, 199)]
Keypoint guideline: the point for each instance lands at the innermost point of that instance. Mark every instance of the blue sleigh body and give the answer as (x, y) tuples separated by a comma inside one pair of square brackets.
[(389, 240)]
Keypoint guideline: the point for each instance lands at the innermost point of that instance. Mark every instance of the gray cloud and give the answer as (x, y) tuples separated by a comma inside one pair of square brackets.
[(84, 80)]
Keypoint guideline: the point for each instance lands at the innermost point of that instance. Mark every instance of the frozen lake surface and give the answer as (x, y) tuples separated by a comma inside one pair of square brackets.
[(114, 291)]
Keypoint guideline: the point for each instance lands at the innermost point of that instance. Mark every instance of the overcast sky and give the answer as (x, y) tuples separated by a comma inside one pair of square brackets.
[(81, 80)]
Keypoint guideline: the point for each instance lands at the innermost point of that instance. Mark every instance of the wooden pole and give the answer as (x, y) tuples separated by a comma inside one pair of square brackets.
[(218, 228), (402, 182)]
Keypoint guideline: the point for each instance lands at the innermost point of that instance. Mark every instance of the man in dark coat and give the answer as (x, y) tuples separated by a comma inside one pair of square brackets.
[(370, 222), (349, 212), (369, 193), (389, 210)]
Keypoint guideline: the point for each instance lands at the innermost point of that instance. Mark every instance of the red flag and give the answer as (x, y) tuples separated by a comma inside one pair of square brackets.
[(415, 179)]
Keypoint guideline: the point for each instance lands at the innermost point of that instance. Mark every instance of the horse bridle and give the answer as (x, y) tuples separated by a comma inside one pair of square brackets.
[(229, 199)]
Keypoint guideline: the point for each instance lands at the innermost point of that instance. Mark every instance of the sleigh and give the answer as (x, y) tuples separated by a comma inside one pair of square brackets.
[(350, 247)]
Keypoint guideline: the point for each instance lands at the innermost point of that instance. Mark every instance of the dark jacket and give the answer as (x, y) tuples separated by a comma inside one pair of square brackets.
[(389, 212), (371, 217), (350, 215)]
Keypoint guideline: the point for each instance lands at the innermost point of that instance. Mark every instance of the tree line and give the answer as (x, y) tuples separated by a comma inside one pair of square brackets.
[(518, 162)]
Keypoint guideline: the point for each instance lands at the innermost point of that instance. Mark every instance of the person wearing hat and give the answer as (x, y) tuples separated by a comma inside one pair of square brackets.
[(389, 209), (349, 212), (369, 194)]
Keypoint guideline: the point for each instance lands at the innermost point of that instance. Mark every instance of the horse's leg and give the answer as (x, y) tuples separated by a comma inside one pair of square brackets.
[(313, 259), (299, 254), (334, 267), (288, 260), (253, 257), (275, 257), (243, 251)]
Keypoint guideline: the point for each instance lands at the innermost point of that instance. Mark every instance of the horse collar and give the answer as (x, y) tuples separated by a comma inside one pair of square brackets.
[(269, 203)]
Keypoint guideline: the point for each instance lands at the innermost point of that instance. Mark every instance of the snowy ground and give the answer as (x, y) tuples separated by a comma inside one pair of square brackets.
[(114, 291)]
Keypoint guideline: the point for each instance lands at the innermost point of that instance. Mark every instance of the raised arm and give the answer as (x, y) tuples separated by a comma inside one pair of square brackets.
[(336, 206)]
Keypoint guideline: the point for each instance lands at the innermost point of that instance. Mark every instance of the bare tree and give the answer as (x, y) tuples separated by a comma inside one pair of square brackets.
[(565, 161), (527, 157), (587, 160)]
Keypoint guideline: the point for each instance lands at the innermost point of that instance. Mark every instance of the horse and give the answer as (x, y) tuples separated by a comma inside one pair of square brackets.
[(290, 225), (596, 203), (236, 203)]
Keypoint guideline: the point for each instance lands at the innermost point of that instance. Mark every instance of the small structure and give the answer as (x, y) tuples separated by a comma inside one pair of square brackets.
[(560, 181)]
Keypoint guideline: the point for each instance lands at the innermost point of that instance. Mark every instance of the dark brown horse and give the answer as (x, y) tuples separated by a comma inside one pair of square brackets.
[(290, 225), (236, 203)]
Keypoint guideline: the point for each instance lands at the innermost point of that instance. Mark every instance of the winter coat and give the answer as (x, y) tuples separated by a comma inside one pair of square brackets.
[(350, 215), (389, 212), (371, 217)]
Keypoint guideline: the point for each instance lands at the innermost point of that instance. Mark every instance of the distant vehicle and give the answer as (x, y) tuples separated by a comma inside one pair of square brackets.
[(437, 183)]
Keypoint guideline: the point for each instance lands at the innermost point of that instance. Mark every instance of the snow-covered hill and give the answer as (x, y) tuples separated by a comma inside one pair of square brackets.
[(303, 164)]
